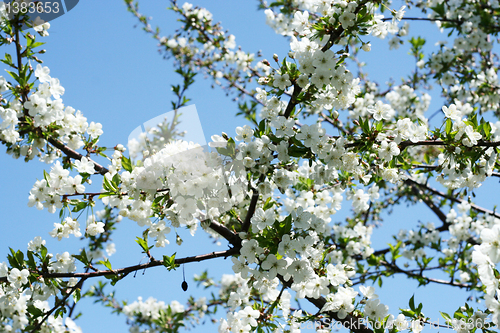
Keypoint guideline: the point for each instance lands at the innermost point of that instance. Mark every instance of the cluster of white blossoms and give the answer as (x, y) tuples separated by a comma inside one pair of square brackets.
[(198, 182), (414, 242), (403, 102), (151, 309), (22, 292), (224, 61), (407, 103), (358, 243), (336, 10), (299, 258), (374, 310), (453, 176), (336, 85), (46, 192), (46, 108), (486, 256), (14, 305), (464, 50), (472, 36), (461, 227)]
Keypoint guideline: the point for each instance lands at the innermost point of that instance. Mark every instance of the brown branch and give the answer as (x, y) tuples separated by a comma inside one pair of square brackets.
[(420, 166), (253, 205), (480, 143), (336, 34), (75, 155), (367, 213), (424, 19), (58, 304), (454, 199), (230, 236), (293, 101), (421, 195), (126, 270), (241, 89), (411, 274), (367, 274), (459, 22)]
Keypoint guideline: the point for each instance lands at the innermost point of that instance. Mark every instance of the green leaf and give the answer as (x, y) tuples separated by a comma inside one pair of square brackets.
[(116, 180), (445, 315), (13, 259), (412, 303), (419, 308), (126, 164), (7, 60), (43, 252), (295, 151), (262, 126), (79, 206), (268, 204), (106, 264), (143, 244), (449, 126), (14, 75), (31, 260), (408, 313), (105, 194), (34, 311), (77, 295), (82, 257), (108, 186), (37, 44), (114, 278), (487, 130), (169, 262)]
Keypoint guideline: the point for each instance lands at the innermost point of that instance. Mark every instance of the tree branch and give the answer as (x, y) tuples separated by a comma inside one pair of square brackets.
[(58, 304), (411, 274), (253, 205), (230, 236), (443, 195), (126, 270), (75, 155), (421, 195), (481, 143)]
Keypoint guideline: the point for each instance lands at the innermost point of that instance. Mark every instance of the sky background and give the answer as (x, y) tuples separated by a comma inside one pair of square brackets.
[(113, 73)]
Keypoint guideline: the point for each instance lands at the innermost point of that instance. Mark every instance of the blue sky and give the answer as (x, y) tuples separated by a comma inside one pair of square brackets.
[(114, 74)]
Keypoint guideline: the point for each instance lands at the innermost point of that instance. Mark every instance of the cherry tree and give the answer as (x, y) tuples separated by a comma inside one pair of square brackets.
[(318, 136)]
